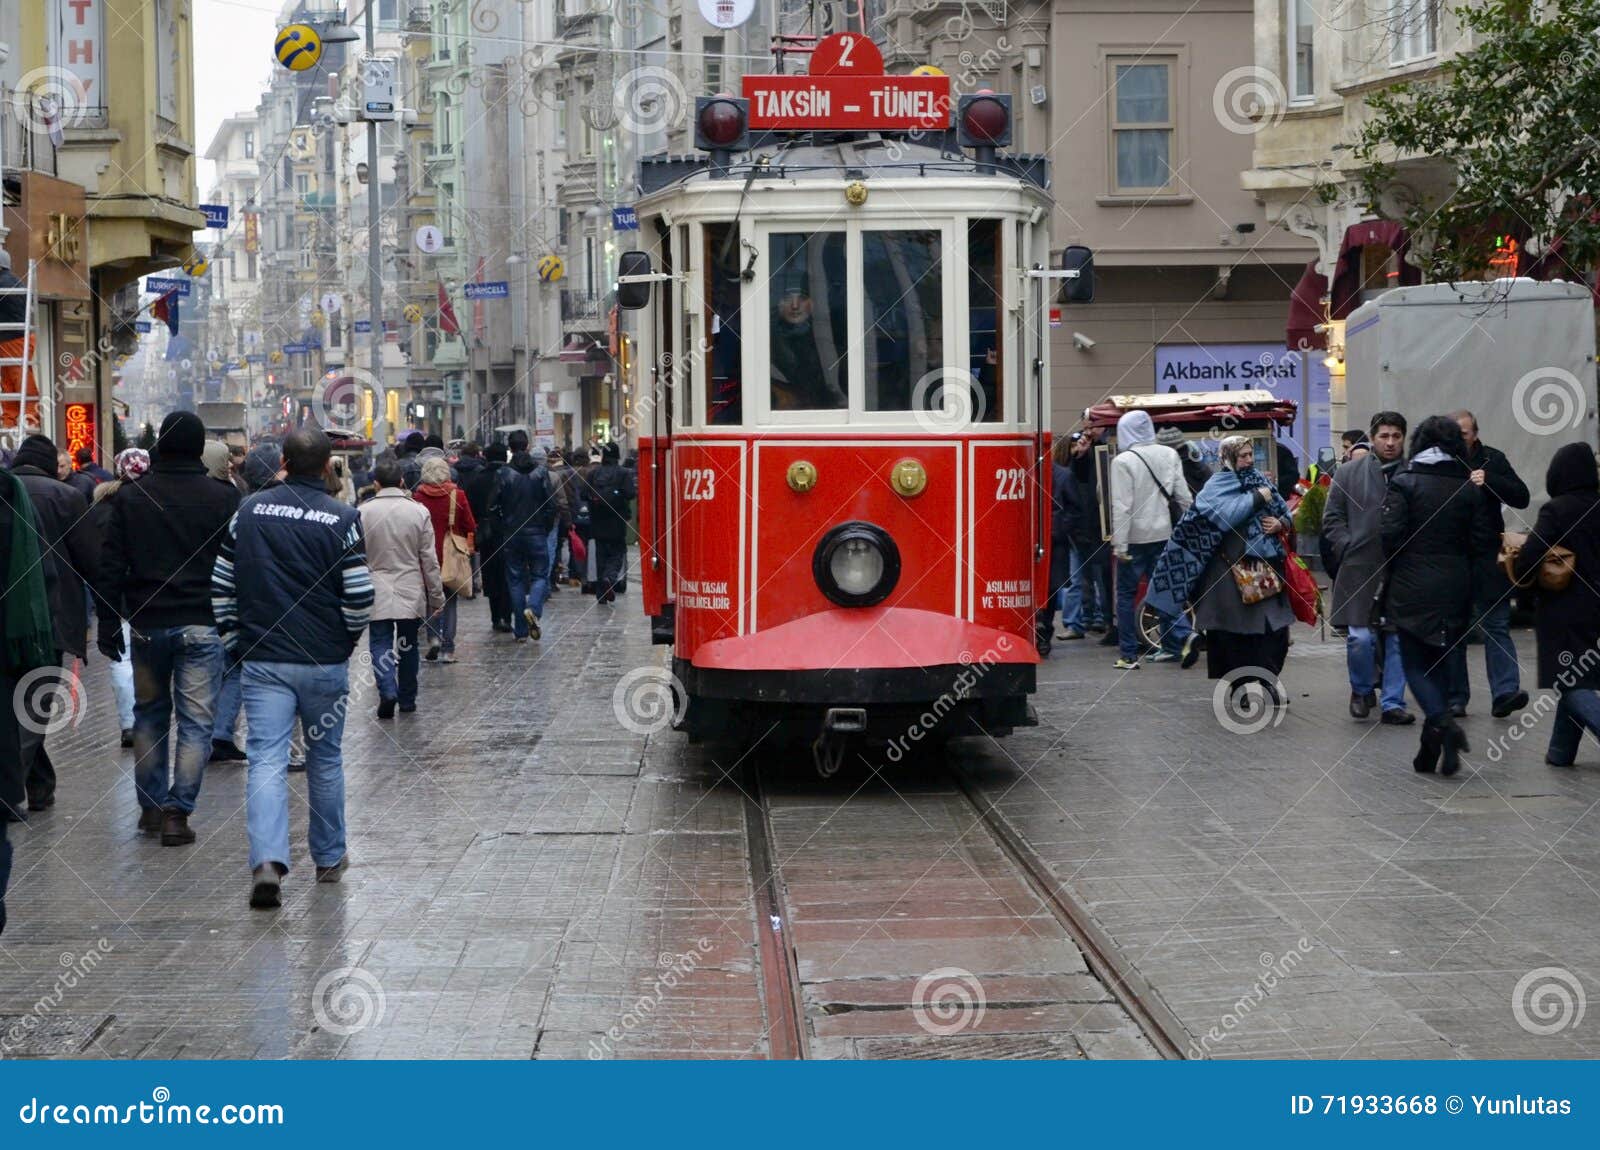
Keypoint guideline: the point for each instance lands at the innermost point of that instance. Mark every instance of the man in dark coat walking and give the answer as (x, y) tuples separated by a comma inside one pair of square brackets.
[(160, 543), (1491, 472), (610, 490), (1352, 538), (70, 555), (479, 484), (525, 512)]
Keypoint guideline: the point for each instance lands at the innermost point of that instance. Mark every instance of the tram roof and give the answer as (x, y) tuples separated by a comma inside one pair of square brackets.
[(857, 155)]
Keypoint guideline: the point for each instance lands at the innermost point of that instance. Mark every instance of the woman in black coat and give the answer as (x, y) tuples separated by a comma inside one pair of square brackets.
[(1435, 525), (1567, 622)]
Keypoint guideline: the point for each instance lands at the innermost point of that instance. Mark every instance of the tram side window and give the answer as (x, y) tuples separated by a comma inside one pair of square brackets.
[(809, 321), (984, 314), (903, 280), (724, 395)]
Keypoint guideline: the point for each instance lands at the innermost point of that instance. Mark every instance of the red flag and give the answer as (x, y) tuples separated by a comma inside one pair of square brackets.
[(167, 312), (447, 314)]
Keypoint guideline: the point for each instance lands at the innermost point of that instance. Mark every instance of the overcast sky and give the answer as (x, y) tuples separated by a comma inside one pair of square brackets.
[(233, 60)]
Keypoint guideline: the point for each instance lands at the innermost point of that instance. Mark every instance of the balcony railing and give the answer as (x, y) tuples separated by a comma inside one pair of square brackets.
[(579, 304)]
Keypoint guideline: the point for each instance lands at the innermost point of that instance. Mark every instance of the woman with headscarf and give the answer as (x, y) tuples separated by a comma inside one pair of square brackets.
[(1224, 553), (439, 494), (130, 465), (1567, 622), (1435, 525)]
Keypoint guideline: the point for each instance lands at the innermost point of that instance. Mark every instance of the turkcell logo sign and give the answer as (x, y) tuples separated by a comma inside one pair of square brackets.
[(216, 215), (624, 220), (160, 286), (494, 289)]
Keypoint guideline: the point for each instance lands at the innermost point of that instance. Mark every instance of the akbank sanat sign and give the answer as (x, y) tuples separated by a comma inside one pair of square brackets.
[(1254, 366)]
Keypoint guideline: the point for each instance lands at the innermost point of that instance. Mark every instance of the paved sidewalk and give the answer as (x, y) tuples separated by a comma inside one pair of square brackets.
[(1300, 891), (518, 887)]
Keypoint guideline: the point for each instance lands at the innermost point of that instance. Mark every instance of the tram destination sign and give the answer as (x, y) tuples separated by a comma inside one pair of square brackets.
[(847, 91)]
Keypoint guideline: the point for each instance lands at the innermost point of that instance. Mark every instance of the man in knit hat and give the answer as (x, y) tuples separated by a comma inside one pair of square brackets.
[(160, 543)]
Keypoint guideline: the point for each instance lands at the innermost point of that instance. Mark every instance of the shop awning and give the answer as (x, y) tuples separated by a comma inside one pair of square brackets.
[(1305, 302), (1305, 311)]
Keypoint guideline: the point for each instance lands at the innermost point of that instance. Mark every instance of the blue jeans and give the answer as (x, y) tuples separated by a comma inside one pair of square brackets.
[(1428, 675), (275, 695), (442, 627), (1578, 710), (229, 699), (122, 681), (527, 571), (182, 667), (392, 643), (1360, 650), (1088, 592), (1142, 560), (1499, 656)]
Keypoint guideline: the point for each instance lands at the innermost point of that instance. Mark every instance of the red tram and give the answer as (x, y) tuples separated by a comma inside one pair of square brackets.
[(843, 419)]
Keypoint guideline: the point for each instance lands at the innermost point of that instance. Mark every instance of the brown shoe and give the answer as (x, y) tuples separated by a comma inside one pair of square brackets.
[(335, 872), (150, 821), (175, 830)]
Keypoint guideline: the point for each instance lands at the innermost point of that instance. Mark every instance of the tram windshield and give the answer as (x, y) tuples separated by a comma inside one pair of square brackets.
[(807, 302), (903, 284)]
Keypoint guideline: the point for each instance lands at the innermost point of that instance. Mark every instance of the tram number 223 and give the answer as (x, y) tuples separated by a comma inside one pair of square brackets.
[(1010, 483), (699, 483)]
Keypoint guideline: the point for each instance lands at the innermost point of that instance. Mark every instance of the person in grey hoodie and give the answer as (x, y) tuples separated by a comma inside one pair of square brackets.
[(1147, 486)]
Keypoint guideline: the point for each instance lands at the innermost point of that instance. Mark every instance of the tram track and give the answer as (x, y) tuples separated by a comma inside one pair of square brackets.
[(847, 922)]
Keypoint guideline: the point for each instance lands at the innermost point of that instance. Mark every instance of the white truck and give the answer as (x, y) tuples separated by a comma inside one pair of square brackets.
[(1517, 353)]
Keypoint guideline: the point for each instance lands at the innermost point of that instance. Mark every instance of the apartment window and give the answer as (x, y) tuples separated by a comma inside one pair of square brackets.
[(585, 97), (250, 265), (712, 52), (1301, 23), (1143, 125), (166, 52), (563, 226), (561, 116), (249, 144), (1413, 30), (302, 185), (441, 126)]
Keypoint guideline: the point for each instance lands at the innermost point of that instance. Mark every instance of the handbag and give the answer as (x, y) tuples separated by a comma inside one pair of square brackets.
[(1304, 595), (1256, 580), (1555, 570), (1174, 508), (456, 570)]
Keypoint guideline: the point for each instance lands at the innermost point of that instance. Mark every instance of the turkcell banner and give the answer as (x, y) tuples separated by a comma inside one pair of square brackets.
[(406, 1104), (1255, 367)]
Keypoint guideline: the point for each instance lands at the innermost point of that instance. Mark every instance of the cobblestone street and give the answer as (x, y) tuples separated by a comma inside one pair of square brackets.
[(530, 878)]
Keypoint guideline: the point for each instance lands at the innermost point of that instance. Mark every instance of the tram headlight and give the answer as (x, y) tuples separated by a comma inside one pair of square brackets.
[(856, 564)]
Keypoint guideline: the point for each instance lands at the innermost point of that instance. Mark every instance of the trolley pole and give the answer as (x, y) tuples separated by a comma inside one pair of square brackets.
[(375, 255)]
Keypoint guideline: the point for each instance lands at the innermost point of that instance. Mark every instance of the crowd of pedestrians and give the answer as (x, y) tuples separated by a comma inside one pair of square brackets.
[(231, 587), (1416, 555)]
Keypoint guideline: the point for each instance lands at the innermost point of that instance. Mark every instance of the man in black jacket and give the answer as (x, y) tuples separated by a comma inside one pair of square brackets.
[(610, 489), (70, 555), (479, 484), (523, 511), (161, 540), (1091, 555), (1495, 478)]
